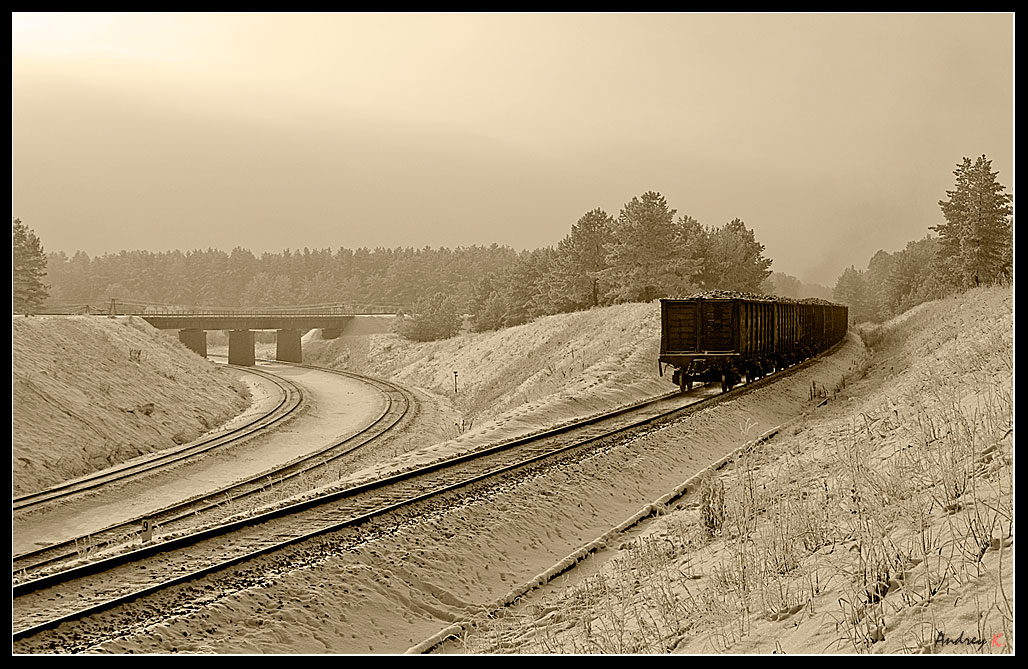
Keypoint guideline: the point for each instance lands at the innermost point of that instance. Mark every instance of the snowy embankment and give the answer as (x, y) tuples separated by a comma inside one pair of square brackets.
[(882, 523), (89, 392), (541, 373)]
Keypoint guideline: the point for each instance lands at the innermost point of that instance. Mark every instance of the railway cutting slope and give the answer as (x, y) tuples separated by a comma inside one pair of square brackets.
[(90, 392), (541, 372), (335, 408)]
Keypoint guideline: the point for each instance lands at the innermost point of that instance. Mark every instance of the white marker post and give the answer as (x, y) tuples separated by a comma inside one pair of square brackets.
[(147, 530)]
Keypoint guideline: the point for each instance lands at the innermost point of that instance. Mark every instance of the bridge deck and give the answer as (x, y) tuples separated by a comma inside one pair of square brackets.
[(248, 321)]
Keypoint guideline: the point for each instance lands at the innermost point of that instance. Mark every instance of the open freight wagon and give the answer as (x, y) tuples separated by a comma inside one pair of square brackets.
[(728, 339)]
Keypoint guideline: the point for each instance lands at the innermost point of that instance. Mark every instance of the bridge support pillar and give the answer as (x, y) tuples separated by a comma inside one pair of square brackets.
[(194, 340), (240, 348), (287, 346)]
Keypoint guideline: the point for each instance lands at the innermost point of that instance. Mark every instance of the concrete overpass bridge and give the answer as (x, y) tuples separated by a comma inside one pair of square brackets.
[(289, 328), (289, 323)]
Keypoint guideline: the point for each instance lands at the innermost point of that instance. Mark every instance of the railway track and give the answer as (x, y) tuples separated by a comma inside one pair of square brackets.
[(289, 403), (27, 566), (47, 602)]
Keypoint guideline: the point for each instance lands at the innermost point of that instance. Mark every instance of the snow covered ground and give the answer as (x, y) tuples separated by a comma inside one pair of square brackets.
[(337, 407), (89, 392), (391, 586), (881, 524), (544, 372)]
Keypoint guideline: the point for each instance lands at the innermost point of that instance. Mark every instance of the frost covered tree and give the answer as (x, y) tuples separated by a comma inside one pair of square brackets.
[(581, 257), (649, 255), (914, 276), (851, 291), (436, 317), (735, 259), (28, 267), (976, 241), (879, 270)]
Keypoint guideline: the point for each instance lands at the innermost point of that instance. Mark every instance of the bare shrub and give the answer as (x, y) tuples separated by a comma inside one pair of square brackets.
[(712, 505)]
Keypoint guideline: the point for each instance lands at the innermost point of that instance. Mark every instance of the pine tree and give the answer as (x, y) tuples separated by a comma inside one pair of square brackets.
[(581, 257), (436, 317), (876, 279), (976, 241), (28, 267), (734, 259), (850, 290), (693, 243), (523, 284), (913, 278), (649, 255)]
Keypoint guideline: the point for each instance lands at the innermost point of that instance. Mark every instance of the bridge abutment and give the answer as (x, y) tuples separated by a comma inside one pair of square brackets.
[(240, 348), (194, 340), (331, 333), (288, 347)]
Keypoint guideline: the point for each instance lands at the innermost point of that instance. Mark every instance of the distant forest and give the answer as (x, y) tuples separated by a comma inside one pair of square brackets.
[(646, 252), (974, 247)]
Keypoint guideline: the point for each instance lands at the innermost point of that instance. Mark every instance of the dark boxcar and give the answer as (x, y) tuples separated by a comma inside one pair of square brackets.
[(727, 339), (785, 332), (820, 336), (698, 338), (757, 338), (679, 326), (839, 323), (806, 333)]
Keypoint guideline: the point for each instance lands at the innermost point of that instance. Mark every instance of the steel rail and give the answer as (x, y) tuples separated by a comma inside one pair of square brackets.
[(22, 589), (291, 400), (398, 404)]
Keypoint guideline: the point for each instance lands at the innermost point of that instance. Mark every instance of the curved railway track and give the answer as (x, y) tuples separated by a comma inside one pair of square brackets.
[(397, 406), (40, 605), (288, 405)]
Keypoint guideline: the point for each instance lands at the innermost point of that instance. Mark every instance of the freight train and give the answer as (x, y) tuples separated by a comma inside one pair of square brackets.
[(726, 336)]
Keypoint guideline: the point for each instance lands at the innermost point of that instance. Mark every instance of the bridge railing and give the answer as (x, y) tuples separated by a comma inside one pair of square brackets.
[(128, 307)]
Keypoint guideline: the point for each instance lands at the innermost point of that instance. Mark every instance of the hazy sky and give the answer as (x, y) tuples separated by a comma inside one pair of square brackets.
[(830, 135)]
